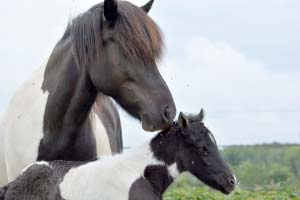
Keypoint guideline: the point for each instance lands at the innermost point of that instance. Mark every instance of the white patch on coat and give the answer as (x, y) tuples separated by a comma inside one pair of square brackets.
[(212, 138), (173, 171), (235, 179), (109, 178), (3, 175), (36, 163), (23, 125), (102, 140)]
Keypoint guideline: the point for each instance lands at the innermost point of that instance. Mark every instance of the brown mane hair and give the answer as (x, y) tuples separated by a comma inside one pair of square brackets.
[(136, 33)]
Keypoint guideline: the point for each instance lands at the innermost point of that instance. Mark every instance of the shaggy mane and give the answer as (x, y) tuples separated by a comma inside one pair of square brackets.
[(136, 33)]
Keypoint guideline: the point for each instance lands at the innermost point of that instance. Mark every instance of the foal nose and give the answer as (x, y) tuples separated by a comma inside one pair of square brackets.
[(167, 115), (232, 180)]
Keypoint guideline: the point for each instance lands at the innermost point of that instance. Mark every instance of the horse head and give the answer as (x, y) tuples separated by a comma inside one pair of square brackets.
[(126, 68)]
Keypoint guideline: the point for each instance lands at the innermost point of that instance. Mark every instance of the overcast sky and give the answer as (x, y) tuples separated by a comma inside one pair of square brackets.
[(239, 60)]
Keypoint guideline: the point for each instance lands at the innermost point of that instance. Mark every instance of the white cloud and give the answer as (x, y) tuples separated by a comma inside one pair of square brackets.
[(210, 68), (246, 101)]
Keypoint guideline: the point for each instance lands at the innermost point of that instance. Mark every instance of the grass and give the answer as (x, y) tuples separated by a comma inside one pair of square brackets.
[(204, 193)]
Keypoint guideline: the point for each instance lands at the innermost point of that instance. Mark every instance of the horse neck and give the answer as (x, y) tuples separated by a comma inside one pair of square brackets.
[(71, 94)]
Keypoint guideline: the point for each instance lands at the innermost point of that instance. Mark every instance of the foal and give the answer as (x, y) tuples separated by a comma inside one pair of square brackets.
[(142, 174)]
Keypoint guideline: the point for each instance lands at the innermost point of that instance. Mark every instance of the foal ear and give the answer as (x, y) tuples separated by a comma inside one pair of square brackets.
[(183, 120), (200, 116), (110, 10), (147, 7)]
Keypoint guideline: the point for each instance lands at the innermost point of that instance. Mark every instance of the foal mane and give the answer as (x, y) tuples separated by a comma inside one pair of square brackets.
[(135, 32)]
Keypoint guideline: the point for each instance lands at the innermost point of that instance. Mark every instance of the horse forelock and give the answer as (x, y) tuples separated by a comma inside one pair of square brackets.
[(136, 33)]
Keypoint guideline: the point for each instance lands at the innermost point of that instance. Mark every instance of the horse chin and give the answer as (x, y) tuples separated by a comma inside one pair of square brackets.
[(147, 123), (148, 127)]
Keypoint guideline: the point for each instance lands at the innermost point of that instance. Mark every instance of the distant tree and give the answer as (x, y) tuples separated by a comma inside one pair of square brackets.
[(292, 159)]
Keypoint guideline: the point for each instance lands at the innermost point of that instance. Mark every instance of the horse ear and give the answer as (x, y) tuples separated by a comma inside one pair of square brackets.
[(147, 7), (110, 10), (200, 116), (183, 120)]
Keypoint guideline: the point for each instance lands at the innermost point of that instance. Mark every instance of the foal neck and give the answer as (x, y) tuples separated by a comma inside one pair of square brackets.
[(165, 145)]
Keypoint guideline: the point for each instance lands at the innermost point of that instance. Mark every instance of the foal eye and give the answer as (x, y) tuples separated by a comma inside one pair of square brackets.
[(205, 150)]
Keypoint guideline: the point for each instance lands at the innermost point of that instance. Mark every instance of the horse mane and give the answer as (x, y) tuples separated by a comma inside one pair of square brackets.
[(136, 33)]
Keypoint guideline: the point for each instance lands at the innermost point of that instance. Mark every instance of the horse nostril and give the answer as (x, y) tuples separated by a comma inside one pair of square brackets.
[(167, 115), (232, 180)]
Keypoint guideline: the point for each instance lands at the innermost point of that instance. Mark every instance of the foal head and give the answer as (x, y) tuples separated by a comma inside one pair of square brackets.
[(198, 153), (190, 145), (121, 45)]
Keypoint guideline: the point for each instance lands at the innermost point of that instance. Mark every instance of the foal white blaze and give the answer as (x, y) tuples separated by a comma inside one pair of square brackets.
[(99, 180), (22, 129)]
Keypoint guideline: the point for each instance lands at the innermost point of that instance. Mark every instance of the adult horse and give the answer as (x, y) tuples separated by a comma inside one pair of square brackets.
[(112, 49)]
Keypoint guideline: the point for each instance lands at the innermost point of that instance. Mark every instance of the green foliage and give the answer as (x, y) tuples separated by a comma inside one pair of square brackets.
[(261, 165), (191, 193)]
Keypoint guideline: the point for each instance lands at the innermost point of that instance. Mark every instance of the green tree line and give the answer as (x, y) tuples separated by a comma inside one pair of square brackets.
[(262, 165)]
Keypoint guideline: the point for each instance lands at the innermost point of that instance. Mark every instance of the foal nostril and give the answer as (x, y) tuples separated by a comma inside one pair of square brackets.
[(167, 115), (232, 180)]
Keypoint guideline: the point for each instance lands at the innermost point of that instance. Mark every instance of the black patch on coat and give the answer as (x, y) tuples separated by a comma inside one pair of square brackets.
[(152, 186), (3, 191), (165, 145)]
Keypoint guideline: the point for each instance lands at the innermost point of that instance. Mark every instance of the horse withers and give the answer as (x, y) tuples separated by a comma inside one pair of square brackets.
[(65, 111), (143, 173)]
